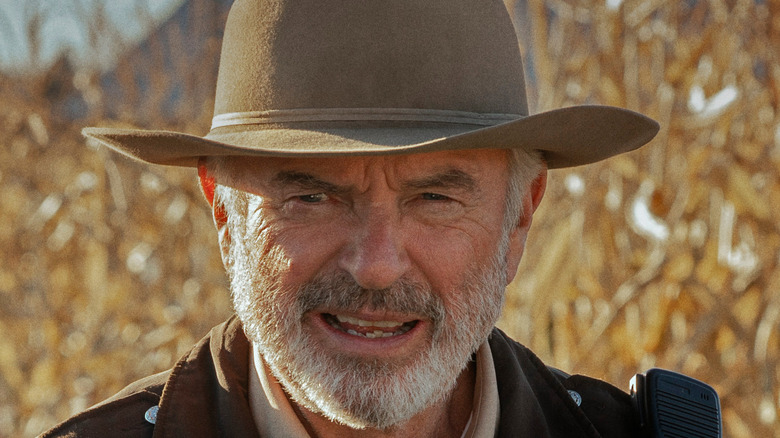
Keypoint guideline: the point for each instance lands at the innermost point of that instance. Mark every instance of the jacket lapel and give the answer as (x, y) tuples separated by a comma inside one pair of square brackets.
[(533, 402), (207, 392)]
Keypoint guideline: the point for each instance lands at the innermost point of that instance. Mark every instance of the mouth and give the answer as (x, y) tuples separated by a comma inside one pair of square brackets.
[(368, 329)]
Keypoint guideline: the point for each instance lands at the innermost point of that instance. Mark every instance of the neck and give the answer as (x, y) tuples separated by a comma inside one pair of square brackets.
[(447, 418)]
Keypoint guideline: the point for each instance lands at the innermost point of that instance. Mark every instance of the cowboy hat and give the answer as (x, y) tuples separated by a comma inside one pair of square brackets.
[(362, 77)]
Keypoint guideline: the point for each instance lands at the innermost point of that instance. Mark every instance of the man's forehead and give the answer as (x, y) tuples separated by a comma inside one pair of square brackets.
[(450, 165)]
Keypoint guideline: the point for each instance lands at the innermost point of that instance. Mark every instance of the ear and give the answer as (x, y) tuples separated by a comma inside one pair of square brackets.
[(208, 185), (531, 201), (207, 181)]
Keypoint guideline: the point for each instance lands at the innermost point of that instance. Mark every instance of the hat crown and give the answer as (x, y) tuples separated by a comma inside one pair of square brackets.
[(456, 55)]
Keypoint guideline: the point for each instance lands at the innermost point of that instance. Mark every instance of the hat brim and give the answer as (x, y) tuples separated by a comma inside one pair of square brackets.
[(565, 137)]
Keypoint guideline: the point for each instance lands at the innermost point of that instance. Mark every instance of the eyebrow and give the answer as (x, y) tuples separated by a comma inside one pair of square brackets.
[(305, 180), (450, 179)]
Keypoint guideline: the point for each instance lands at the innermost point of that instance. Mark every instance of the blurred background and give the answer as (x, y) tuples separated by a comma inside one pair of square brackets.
[(662, 257)]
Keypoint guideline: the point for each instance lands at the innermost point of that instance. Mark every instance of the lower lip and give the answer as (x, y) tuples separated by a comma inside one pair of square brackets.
[(356, 344)]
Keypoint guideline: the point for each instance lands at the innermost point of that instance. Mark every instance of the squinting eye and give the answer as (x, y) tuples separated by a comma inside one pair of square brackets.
[(434, 197), (313, 198)]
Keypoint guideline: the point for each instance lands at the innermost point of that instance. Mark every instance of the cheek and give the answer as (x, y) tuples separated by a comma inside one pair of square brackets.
[(445, 258), (306, 250)]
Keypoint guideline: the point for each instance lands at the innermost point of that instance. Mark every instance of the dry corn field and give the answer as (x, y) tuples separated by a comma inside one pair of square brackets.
[(664, 257)]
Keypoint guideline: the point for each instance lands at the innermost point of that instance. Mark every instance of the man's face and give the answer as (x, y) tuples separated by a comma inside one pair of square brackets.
[(368, 282)]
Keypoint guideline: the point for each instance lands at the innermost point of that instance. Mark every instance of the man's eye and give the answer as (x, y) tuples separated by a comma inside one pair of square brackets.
[(434, 197), (313, 198)]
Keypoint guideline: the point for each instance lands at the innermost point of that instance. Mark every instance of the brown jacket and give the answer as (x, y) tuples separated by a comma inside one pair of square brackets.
[(205, 395)]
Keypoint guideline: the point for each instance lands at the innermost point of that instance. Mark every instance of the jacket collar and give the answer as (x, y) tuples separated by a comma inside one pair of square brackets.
[(533, 402)]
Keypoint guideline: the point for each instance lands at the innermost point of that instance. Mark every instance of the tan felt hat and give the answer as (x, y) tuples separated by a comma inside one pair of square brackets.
[(362, 77)]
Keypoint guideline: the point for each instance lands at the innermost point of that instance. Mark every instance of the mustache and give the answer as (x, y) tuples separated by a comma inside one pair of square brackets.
[(340, 291)]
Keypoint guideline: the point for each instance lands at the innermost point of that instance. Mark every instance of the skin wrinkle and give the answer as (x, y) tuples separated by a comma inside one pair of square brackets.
[(257, 274), (450, 179), (523, 167)]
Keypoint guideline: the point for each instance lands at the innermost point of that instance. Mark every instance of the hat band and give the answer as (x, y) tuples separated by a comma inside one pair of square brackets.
[(360, 114)]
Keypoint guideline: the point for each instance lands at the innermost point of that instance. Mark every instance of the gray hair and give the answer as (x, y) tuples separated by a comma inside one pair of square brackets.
[(524, 167)]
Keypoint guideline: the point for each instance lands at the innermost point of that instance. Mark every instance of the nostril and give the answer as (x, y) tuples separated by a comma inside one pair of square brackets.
[(376, 274)]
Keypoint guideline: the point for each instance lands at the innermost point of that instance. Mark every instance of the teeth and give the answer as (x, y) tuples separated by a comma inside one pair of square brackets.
[(399, 328), (375, 334), (363, 323)]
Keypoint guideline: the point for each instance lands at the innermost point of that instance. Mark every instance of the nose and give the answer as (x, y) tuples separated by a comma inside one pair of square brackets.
[(376, 256)]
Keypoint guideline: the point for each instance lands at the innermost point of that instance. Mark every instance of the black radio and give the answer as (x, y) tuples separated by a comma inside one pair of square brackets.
[(672, 405)]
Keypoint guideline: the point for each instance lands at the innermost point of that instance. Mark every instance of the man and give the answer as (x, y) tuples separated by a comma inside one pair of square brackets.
[(373, 173)]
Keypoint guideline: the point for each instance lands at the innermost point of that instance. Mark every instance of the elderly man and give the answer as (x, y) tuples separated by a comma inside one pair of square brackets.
[(373, 172)]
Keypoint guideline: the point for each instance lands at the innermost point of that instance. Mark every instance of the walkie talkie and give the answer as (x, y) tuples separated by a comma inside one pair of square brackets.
[(672, 405)]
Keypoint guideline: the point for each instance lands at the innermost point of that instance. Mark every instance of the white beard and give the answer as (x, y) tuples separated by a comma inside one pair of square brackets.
[(354, 391)]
